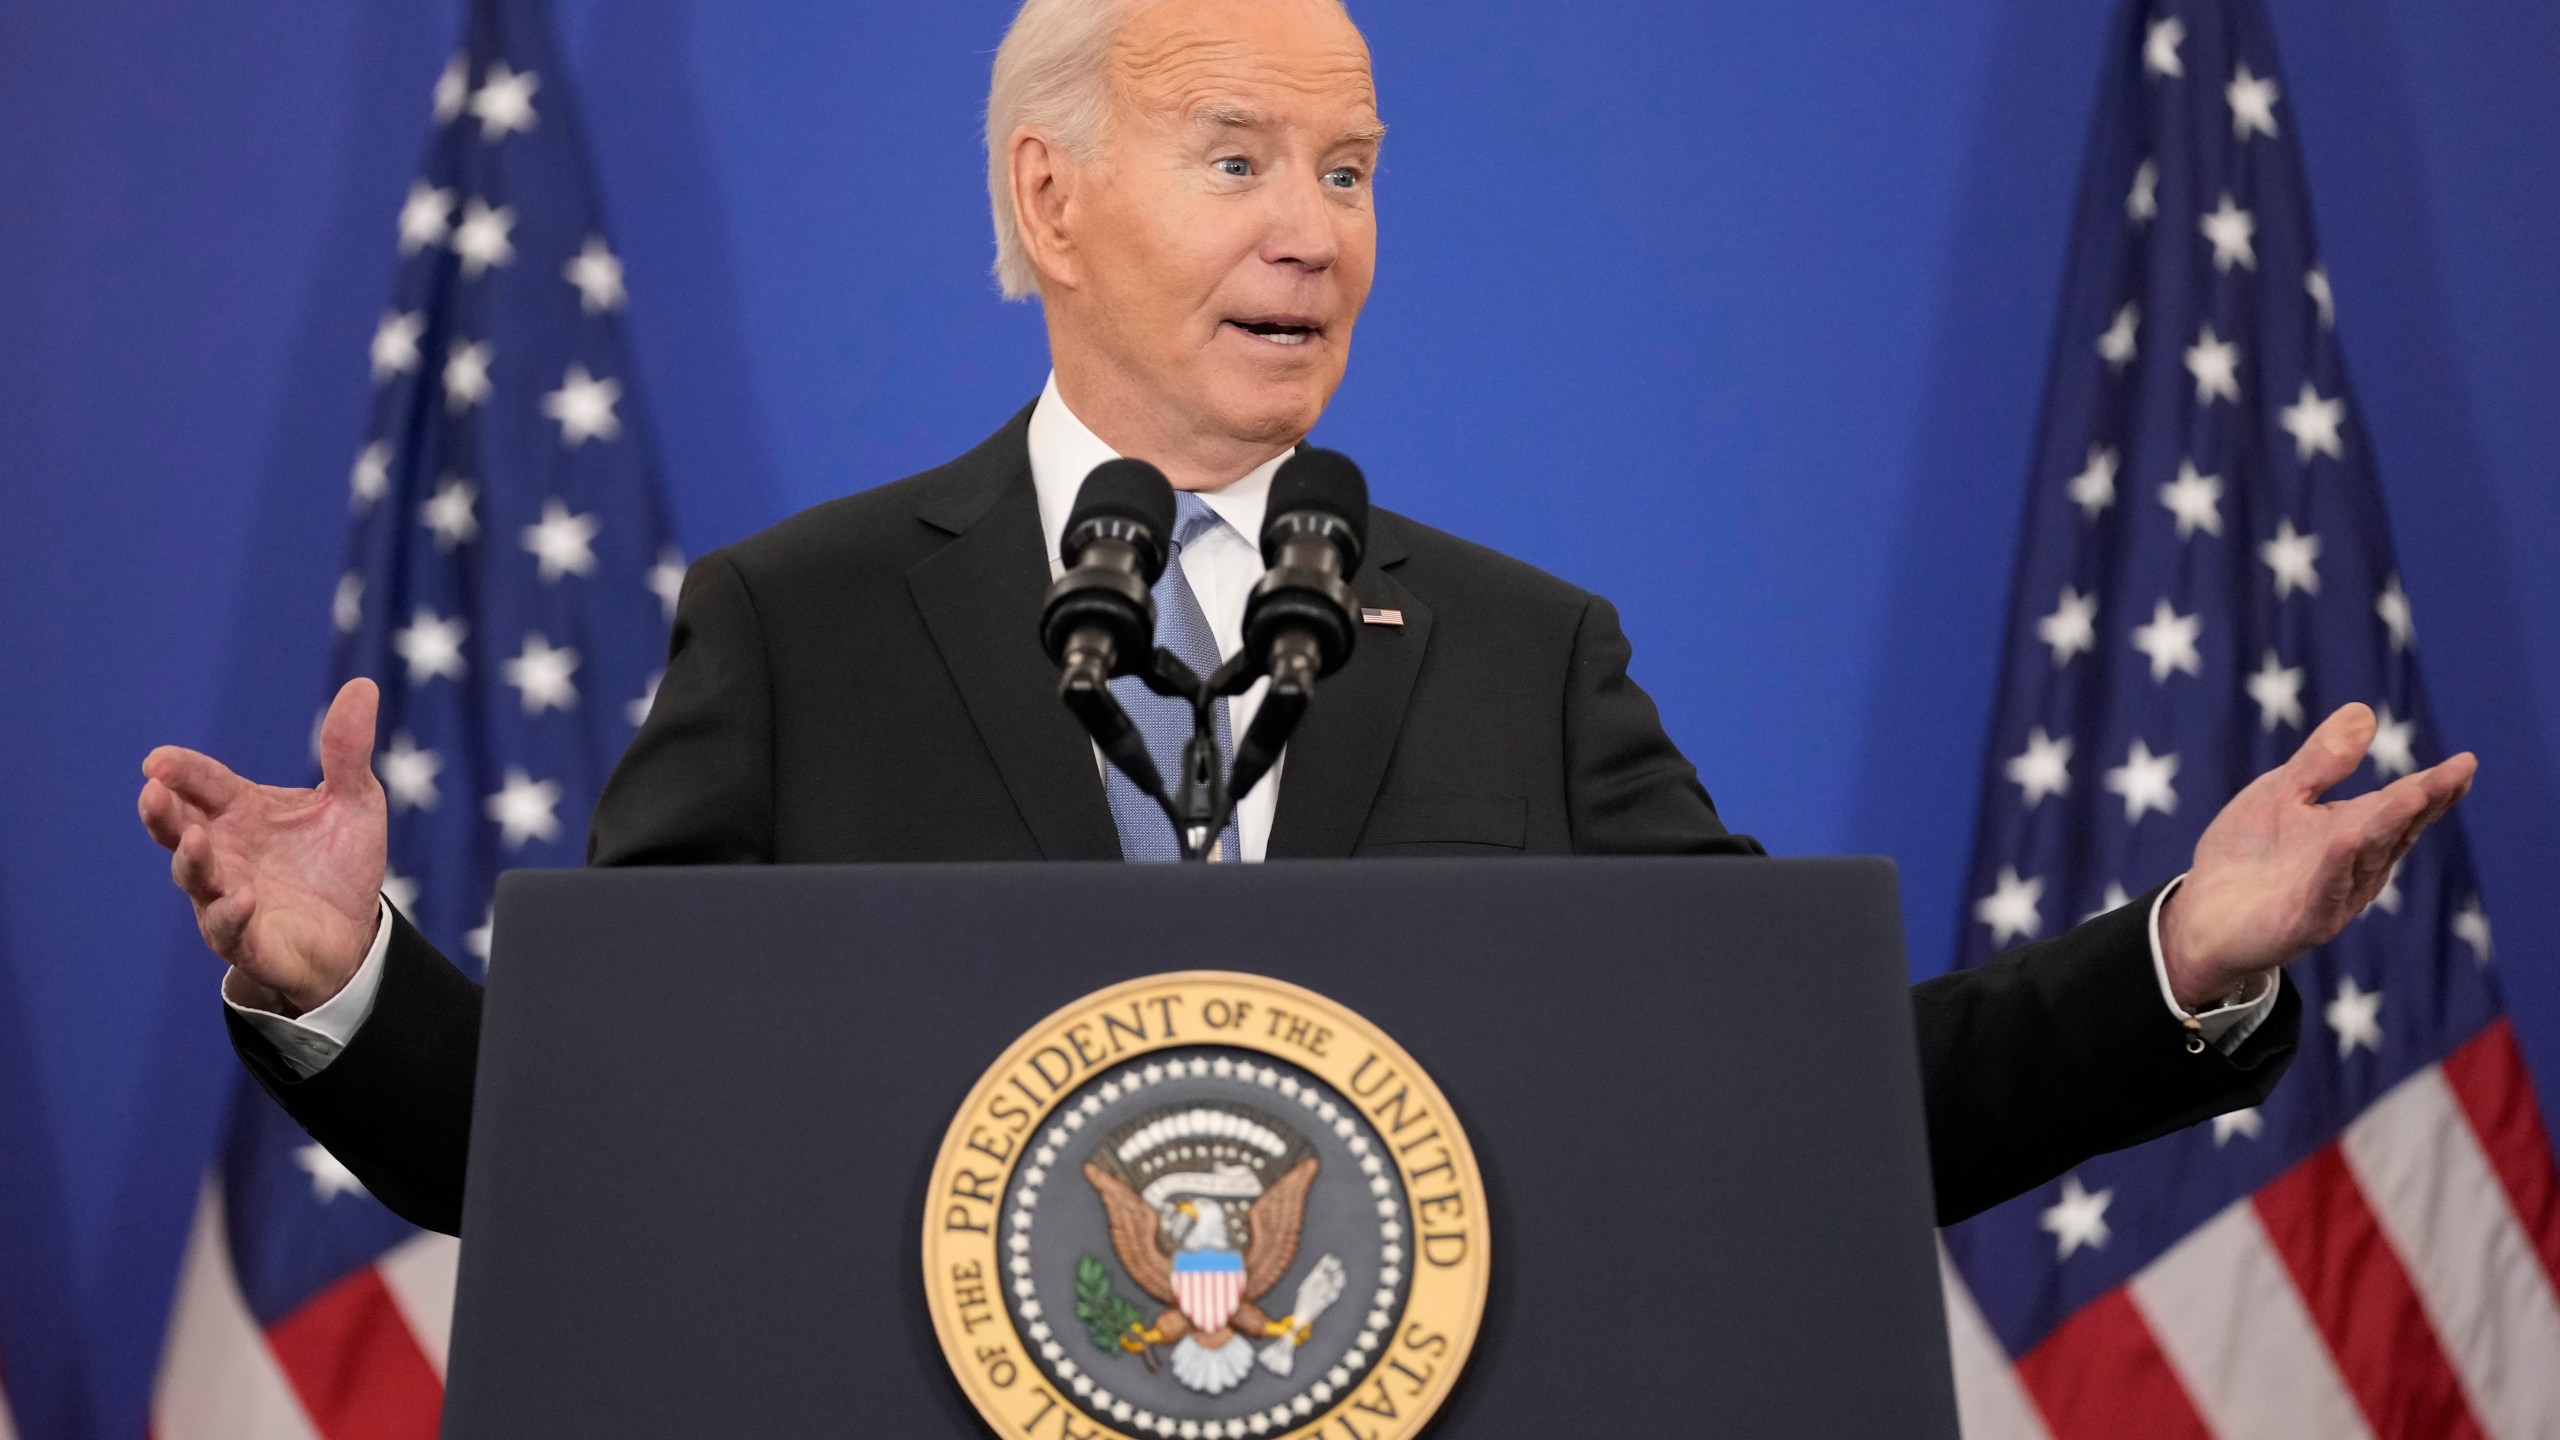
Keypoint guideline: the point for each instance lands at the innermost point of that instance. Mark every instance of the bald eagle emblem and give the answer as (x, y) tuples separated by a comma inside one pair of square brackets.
[(1206, 1203)]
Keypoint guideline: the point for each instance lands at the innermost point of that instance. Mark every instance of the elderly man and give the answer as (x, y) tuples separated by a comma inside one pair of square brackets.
[(1187, 187)]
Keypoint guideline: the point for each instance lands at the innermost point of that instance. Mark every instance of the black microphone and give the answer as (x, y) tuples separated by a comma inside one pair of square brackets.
[(1298, 622), (1314, 532), (1099, 618)]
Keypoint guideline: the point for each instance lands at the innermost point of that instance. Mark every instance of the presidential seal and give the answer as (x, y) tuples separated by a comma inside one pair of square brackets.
[(1206, 1206)]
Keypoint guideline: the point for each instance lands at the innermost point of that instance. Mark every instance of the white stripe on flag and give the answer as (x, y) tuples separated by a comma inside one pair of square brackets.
[(419, 1275), (218, 1380), (1989, 1399), (2226, 1313), (2436, 1197)]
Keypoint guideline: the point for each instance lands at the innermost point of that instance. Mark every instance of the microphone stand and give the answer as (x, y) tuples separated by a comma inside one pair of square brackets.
[(1202, 798)]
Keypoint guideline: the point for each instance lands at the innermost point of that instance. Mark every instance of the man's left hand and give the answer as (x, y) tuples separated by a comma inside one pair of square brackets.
[(2279, 871)]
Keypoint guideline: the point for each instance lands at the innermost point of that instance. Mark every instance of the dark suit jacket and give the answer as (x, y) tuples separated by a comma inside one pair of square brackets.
[(864, 682)]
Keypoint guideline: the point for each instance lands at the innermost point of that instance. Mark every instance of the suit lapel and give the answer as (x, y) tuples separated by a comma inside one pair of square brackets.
[(980, 597), (1335, 762)]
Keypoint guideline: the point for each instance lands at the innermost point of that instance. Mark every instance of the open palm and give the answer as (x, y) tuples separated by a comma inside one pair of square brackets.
[(2280, 871), (283, 880)]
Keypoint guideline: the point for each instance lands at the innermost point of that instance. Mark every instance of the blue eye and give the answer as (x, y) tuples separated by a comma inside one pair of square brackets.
[(1343, 178), (1236, 165)]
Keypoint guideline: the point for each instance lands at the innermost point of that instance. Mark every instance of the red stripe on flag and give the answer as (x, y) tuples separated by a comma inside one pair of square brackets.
[(357, 1367), (2360, 1296), (2488, 1077), (2101, 1376)]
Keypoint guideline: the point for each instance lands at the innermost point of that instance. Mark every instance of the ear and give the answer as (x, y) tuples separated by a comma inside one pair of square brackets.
[(1044, 176)]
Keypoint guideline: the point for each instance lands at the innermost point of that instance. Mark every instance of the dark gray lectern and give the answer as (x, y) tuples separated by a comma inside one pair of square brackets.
[(708, 1101)]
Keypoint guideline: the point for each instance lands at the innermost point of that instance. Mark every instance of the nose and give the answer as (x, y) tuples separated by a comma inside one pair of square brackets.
[(1302, 222)]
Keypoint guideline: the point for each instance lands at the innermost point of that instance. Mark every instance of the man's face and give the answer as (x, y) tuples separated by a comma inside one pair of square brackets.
[(1225, 238)]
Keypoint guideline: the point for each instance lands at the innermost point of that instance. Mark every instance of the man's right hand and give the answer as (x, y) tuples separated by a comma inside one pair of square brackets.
[(284, 882)]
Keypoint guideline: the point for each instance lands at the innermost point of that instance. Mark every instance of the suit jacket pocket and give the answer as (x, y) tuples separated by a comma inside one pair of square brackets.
[(1446, 824)]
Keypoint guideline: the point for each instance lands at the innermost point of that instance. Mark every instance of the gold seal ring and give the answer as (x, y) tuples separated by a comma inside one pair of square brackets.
[(1206, 1206)]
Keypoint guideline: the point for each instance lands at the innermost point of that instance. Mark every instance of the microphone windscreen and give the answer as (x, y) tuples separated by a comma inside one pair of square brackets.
[(1325, 480), (1125, 489)]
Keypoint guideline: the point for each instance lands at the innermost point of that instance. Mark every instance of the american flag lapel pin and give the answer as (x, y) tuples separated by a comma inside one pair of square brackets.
[(1392, 619)]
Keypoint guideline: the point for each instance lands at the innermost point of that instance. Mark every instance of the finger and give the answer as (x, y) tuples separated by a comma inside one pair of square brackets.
[(192, 866), (346, 738), (2332, 752), (225, 922), (164, 814), (198, 778)]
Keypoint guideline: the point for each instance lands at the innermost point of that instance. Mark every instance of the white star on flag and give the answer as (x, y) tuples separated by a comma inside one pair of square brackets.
[(2114, 899), (2144, 780), (2356, 1014), (2170, 641), (2195, 499), (2043, 768), (466, 375), (401, 891), (2293, 557), (2313, 423), (2012, 909), (478, 941), (2278, 691), (2078, 1218), (2315, 283), (432, 647), (666, 580), (453, 88), (2247, 1124), (523, 809), (395, 344), (2160, 47), (584, 407), (2142, 202), (2215, 362), (2072, 627), (2393, 606), (2233, 232), (598, 276), (563, 543), (482, 237), (2094, 488), (2253, 104), (637, 712), (542, 674), (425, 217), (449, 513), (409, 774), (371, 475), (2471, 927), (346, 608), (2394, 747), (330, 1178), (504, 102), (2115, 346)]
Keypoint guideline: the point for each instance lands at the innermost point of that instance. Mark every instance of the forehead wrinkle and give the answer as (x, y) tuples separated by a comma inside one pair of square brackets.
[(1192, 74)]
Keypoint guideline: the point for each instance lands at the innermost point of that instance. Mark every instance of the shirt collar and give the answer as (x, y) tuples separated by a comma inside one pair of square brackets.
[(1063, 452)]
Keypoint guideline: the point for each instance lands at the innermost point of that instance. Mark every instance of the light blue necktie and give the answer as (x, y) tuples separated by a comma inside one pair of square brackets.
[(1183, 628)]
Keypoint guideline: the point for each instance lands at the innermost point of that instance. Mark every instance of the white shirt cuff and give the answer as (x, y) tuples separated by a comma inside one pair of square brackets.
[(2227, 1026), (309, 1042)]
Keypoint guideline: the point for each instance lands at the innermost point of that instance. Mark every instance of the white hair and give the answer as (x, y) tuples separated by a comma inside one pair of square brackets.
[(1050, 75)]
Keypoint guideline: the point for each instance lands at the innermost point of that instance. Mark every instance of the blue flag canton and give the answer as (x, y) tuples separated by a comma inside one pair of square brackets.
[(511, 576), (2206, 572)]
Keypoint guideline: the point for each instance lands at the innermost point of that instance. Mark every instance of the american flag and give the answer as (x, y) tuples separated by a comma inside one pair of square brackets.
[(2206, 571), (509, 586)]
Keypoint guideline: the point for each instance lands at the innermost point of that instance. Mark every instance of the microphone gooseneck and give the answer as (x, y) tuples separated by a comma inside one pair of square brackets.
[(1299, 620)]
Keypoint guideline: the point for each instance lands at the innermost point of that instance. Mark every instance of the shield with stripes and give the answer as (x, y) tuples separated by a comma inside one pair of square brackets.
[(1208, 1285)]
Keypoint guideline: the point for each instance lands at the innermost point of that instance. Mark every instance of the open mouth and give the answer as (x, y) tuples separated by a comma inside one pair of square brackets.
[(1279, 331)]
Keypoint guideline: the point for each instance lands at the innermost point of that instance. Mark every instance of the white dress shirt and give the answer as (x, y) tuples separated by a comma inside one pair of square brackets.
[(1222, 566)]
